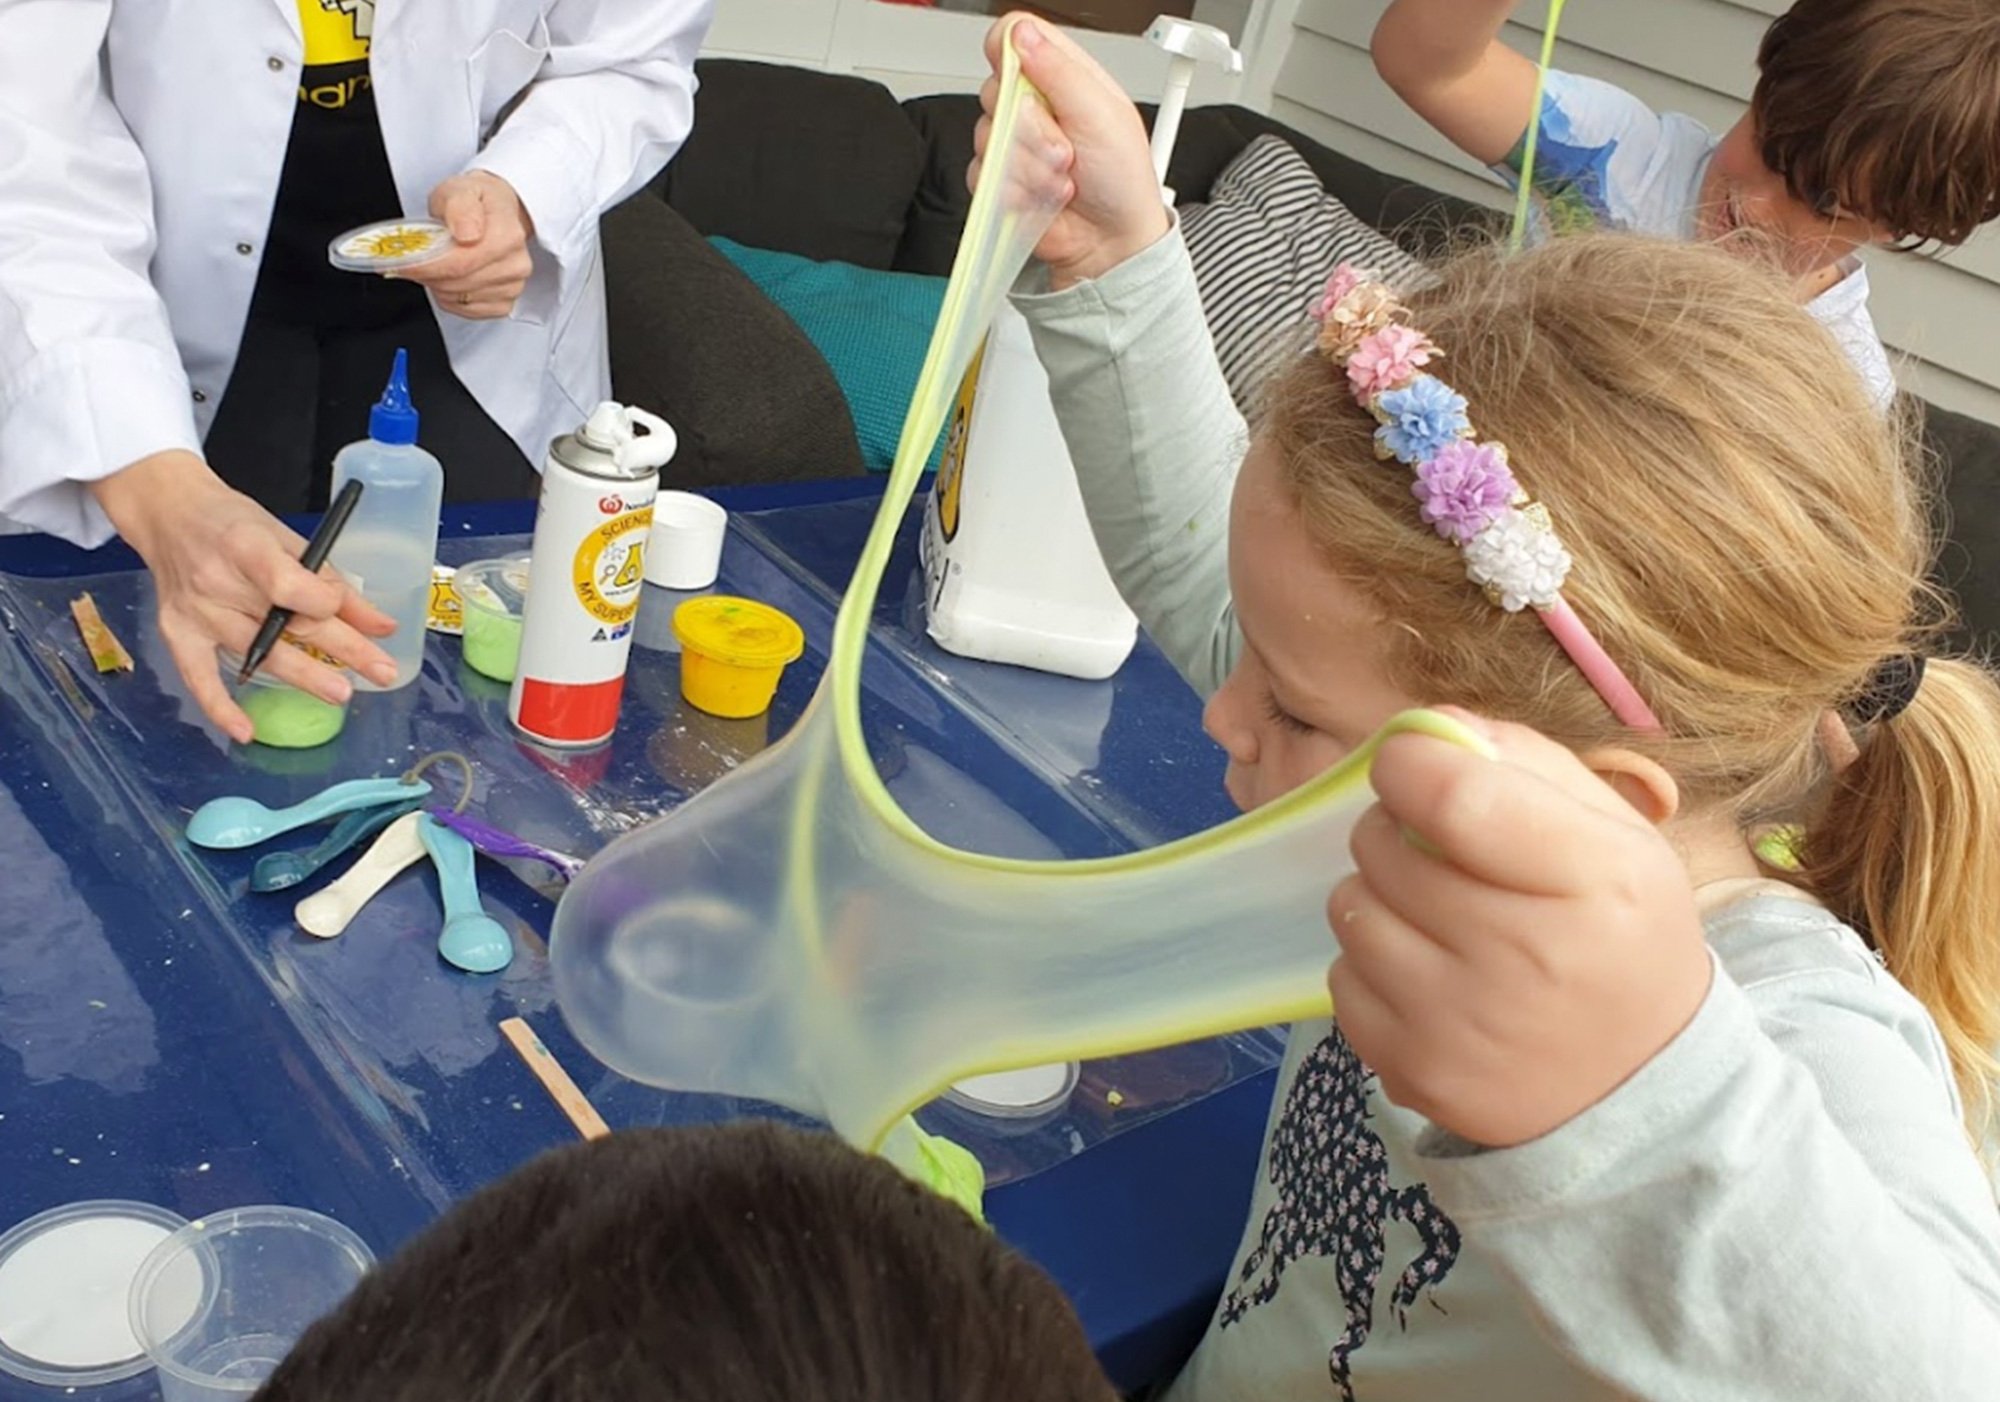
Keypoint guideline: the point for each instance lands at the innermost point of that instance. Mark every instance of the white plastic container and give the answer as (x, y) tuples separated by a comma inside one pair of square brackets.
[(390, 542), (685, 549), (1012, 569)]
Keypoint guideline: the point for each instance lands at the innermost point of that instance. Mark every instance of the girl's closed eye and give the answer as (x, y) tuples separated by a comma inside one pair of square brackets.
[(1279, 716)]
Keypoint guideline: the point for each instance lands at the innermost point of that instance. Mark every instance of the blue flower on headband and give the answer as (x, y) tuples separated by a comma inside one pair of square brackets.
[(1420, 420)]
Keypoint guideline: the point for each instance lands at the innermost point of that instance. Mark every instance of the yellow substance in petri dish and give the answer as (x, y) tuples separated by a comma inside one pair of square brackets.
[(397, 243)]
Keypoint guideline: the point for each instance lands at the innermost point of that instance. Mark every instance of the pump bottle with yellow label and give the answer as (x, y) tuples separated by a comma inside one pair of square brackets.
[(1012, 572)]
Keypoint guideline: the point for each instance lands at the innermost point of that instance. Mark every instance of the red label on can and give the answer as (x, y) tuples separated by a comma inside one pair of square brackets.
[(610, 506), (570, 713)]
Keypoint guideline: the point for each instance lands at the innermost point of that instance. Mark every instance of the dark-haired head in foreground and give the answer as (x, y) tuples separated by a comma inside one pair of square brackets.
[(739, 1263)]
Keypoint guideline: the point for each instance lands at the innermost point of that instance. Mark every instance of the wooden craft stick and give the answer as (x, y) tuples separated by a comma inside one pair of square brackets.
[(107, 654), (555, 1080)]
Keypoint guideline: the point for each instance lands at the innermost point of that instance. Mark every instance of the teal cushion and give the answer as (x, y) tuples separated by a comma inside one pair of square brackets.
[(872, 327)]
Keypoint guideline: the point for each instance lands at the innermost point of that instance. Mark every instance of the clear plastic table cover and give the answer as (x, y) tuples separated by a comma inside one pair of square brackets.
[(987, 758)]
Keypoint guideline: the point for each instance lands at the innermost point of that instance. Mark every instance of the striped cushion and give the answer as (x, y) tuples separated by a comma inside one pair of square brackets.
[(1262, 248)]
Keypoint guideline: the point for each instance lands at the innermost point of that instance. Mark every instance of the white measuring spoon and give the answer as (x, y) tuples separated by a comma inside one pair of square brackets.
[(327, 912)]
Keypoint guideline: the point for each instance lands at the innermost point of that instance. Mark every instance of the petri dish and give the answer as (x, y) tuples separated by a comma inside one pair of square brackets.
[(389, 245), (65, 1279)]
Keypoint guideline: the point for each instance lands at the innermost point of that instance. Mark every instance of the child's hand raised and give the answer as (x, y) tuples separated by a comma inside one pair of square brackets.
[(1089, 146), (1544, 947)]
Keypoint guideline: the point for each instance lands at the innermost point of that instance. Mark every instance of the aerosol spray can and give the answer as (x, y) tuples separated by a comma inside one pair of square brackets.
[(585, 573)]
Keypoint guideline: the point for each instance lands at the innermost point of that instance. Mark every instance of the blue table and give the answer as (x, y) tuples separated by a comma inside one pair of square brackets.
[(154, 1046)]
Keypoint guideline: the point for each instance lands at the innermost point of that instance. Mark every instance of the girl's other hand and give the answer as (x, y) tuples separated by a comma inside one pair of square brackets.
[(1517, 940), (1085, 150)]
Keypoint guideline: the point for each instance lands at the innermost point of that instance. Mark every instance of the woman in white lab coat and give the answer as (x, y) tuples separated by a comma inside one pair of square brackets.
[(174, 348)]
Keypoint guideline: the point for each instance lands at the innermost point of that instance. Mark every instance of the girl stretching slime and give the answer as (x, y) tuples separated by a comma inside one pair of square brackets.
[(1608, 1110)]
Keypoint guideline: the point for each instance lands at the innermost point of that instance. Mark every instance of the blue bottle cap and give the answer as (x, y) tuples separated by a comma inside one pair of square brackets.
[(394, 419)]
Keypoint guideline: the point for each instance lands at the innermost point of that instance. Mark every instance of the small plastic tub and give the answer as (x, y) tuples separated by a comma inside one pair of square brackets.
[(491, 596), (65, 1277), (685, 548), (258, 1277), (281, 715), (1016, 1101), (733, 651)]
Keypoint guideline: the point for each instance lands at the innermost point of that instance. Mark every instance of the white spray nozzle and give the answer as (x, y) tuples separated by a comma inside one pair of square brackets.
[(1203, 43), (1189, 44), (612, 428)]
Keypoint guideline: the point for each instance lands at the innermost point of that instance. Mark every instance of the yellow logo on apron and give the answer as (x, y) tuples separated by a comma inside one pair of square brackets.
[(336, 31)]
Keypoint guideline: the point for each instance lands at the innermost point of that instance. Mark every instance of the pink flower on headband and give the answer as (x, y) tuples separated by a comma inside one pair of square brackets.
[(1346, 277), (1388, 359), (1464, 489)]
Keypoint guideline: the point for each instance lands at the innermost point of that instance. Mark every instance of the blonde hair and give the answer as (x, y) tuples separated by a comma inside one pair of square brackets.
[(1751, 539)]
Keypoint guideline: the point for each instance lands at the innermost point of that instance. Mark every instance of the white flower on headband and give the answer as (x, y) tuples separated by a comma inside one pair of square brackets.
[(1518, 562)]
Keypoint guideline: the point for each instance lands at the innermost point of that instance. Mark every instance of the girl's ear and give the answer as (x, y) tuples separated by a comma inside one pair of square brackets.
[(1641, 782)]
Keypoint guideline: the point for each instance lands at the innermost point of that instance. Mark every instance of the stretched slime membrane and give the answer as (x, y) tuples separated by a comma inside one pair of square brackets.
[(790, 934)]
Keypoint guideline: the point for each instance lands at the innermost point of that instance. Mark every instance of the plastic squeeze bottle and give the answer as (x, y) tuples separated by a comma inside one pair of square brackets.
[(390, 544)]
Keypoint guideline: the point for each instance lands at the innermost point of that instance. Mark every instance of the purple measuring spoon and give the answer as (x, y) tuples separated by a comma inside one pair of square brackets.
[(496, 842)]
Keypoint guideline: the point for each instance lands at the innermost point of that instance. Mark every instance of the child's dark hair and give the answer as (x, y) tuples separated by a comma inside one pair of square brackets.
[(712, 1264), (1888, 109)]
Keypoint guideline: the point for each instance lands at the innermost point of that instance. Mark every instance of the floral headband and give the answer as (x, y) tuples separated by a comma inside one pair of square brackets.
[(1466, 487)]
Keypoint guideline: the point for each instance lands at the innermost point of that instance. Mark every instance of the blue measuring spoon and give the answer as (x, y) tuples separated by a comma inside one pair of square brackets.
[(238, 821), (275, 871), (471, 939)]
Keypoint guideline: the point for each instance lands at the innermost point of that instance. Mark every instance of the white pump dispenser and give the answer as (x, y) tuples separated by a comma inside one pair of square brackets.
[(1012, 572)]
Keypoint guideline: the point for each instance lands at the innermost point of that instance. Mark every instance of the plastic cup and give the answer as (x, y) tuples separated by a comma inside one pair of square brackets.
[(261, 1275), (733, 651), (491, 596), (685, 548)]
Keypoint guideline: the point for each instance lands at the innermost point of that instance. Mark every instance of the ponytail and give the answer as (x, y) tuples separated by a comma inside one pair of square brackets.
[(1907, 851)]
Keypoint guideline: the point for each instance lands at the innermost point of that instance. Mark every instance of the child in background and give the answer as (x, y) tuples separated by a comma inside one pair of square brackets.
[(1874, 123), (742, 1263), (1609, 1110)]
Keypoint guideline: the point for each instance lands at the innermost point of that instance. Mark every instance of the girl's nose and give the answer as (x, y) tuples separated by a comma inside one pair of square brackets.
[(1224, 721)]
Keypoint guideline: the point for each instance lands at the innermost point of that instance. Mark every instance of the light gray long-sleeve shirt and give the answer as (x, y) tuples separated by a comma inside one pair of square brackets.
[(1783, 1206)]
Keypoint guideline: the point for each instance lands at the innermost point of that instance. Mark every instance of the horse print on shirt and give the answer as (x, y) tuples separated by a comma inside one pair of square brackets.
[(1334, 1199)]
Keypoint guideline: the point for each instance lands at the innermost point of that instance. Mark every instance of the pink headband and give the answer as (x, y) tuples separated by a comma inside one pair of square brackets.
[(1467, 487)]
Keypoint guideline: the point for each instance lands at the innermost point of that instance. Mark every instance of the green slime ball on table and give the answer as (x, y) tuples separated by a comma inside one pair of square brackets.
[(289, 719), (492, 643)]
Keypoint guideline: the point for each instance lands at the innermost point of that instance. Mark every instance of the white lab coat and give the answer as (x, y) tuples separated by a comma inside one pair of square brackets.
[(140, 148)]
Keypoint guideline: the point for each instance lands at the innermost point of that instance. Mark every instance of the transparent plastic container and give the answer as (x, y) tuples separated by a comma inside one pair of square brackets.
[(390, 544), (256, 1277)]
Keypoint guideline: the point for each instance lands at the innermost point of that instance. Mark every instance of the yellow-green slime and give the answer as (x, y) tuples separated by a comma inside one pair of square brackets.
[(492, 642), (288, 719)]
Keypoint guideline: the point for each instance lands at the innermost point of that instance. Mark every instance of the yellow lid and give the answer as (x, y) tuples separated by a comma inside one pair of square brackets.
[(739, 632)]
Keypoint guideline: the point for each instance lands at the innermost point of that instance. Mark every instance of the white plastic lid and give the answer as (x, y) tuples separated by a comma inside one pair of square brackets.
[(65, 1275), (389, 244), (1023, 1094), (684, 551)]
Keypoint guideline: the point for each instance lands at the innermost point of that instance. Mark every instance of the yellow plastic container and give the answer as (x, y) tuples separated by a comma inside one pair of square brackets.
[(733, 651)]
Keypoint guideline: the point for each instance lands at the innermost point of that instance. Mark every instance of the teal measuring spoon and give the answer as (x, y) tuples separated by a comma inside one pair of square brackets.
[(236, 821), (471, 939), (276, 871)]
